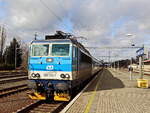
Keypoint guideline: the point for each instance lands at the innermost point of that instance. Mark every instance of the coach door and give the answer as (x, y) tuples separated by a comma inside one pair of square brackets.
[(75, 61)]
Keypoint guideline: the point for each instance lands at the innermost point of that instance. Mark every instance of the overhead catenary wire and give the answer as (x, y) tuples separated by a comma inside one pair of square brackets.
[(51, 11), (59, 18), (115, 47), (54, 14), (67, 13), (62, 7)]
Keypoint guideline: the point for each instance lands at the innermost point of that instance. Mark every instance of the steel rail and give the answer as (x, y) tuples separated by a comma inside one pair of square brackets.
[(9, 76), (12, 90), (42, 107), (13, 80)]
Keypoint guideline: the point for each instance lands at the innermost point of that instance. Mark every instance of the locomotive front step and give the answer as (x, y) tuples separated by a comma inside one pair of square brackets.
[(37, 96), (61, 97)]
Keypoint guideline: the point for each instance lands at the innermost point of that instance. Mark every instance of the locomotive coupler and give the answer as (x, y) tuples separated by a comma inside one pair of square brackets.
[(50, 92)]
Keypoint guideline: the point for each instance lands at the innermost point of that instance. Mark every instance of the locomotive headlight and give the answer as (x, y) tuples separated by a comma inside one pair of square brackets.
[(33, 75), (38, 75), (63, 76), (67, 76), (49, 60)]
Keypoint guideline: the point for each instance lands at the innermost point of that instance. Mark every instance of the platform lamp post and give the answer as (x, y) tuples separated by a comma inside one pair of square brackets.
[(131, 69), (141, 64), (142, 83), (130, 35)]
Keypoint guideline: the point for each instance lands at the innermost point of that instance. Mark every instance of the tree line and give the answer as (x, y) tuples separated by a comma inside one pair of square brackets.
[(11, 54)]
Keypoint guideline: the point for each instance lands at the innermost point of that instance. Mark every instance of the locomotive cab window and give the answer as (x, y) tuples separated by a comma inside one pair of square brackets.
[(60, 49), (40, 50)]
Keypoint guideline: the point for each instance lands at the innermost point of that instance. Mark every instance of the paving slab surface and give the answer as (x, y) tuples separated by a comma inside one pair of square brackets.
[(113, 92)]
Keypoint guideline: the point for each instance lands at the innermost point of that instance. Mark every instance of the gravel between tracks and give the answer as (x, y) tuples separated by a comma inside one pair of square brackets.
[(14, 102)]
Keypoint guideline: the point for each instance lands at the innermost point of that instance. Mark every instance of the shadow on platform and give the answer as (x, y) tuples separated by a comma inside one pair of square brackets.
[(107, 82), (110, 82)]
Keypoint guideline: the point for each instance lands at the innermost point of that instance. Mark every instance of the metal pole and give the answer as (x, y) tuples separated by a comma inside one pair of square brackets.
[(111, 65), (35, 36), (118, 65), (114, 65), (131, 61), (140, 64), (15, 56), (109, 56)]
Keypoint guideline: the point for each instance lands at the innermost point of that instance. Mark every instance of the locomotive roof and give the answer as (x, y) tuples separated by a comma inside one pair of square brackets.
[(63, 41), (62, 37), (51, 40)]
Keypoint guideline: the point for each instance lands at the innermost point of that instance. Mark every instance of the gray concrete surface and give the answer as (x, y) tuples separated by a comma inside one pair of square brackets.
[(113, 92)]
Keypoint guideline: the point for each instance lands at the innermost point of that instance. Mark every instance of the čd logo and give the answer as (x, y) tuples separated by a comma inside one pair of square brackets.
[(50, 67)]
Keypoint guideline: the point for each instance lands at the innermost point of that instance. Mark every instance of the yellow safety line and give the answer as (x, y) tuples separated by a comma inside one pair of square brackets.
[(88, 106)]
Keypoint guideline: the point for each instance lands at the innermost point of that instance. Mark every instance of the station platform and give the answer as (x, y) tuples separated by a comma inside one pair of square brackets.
[(112, 92)]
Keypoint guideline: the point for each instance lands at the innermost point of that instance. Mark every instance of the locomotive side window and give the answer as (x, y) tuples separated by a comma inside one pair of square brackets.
[(40, 50), (60, 50)]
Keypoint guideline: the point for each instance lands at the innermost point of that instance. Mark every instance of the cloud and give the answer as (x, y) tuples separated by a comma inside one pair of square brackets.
[(102, 22)]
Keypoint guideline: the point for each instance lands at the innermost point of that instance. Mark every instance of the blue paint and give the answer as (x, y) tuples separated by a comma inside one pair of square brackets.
[(56, 67), (140, 52), (58, 63), (3, 9)]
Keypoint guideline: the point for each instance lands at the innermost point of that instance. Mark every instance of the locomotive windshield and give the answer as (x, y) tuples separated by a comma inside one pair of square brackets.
[(40, 50), (60, 50)]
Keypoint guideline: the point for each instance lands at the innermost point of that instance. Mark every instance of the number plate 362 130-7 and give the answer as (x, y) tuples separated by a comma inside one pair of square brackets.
[(50, 74)]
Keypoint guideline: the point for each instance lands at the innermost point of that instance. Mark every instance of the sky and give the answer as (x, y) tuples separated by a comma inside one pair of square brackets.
[(102, 22)]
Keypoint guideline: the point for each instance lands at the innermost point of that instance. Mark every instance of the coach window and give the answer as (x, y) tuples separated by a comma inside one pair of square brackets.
[(40, 50), (60, 49)]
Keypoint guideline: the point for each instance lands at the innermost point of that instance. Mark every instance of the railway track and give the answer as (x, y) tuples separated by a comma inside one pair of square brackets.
[(12, 73), (47, 107), (43, 107), (12, 79), (9, 76), (12, 90)]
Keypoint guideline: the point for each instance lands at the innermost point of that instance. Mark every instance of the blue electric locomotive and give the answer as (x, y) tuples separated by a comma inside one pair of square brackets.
[(57, 65)]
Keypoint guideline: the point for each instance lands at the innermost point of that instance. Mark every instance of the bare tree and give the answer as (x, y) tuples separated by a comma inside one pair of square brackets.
[(2, 40), (24, 64)]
